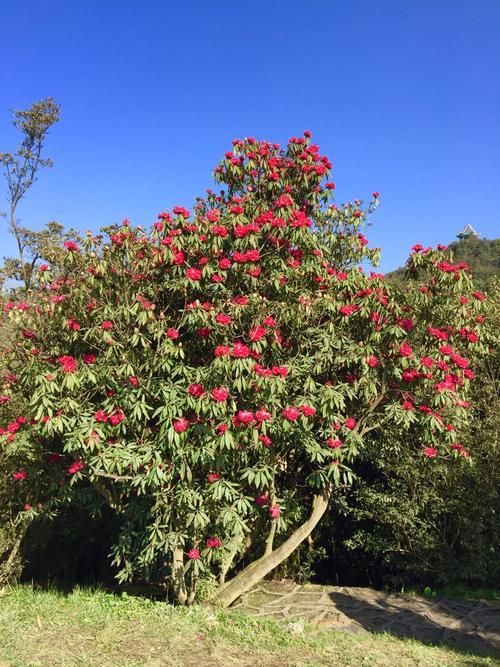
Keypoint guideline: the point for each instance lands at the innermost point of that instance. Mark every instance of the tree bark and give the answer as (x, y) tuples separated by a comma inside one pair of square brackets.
[(178, 582), (7, 568), (257, 570)]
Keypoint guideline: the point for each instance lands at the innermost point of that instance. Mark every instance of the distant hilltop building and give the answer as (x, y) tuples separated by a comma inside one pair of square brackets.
[(468, 232)]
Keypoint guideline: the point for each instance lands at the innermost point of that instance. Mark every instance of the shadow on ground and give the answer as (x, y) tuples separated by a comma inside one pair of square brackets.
[(470, 626)]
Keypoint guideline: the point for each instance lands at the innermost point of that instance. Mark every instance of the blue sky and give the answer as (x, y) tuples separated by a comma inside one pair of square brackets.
[(402, 95)]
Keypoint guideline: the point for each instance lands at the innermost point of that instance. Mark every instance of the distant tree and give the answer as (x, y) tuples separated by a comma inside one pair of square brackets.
[(38, 247), (22, 167)]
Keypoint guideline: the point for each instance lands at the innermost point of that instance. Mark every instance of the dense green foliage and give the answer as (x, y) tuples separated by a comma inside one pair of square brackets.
[(481, 255), (406, 523), (213, 380)]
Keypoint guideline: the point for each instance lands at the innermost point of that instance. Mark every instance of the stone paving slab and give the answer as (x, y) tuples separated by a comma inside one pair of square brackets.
[(471, 624)]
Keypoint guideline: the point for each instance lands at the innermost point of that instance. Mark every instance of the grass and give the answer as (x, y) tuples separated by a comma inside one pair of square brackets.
[(94, 628), (458, 592)]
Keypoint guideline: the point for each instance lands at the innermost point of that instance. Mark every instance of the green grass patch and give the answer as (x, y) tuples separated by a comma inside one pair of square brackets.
[(93, 628)]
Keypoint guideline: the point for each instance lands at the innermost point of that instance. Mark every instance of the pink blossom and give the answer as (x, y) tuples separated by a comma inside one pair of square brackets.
[(430, 452), (213, 542), (291, 413), (193, 273), (245, 416), (220, 394), (274, 511), (173, 334), (180, 425)]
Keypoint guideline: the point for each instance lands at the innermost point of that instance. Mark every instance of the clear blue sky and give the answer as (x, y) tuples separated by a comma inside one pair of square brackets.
[(402, 95)]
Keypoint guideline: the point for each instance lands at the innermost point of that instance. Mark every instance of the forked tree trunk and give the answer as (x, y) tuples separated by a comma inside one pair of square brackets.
[(257, 570)]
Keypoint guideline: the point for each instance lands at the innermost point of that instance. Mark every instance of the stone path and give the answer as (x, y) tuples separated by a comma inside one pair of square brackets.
[(470, 625)]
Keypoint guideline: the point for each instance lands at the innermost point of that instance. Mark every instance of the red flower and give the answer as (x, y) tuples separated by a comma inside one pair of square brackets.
[(18, 476), (101, 416), (70, 245), (68, 363), (269, 321), (348, 309), (245, 416), (274, 511), (224, 263), (73, 324), (406, 324), (193, 554), (133, 380), (256, 333), (75, 467), (372, 361), (89, 358), (213, 477), (213, 542), (290, 413), (262, 415), (307, 410), (221, 429), (181, 425), (221, 351), (107, 324), (223, 319), (262, 500), (196, 390), (220, 394), (240, 351), (405, 350), (173, 334), (117, 417), (350, 423), (334, 443), (193, 273), (265, 440), (180, 210), (430, 452)]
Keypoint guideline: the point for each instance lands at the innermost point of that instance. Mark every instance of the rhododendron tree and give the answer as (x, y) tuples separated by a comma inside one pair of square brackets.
[(213, 378)]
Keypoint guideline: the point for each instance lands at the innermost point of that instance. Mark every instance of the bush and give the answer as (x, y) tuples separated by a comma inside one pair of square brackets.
[(215, 380)]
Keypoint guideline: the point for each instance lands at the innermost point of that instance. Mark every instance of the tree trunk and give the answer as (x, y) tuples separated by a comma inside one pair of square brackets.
[(8, 568), (178, 582), (257, 570)]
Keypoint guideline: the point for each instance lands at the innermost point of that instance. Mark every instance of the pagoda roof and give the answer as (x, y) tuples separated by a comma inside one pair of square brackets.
[(468, 230)]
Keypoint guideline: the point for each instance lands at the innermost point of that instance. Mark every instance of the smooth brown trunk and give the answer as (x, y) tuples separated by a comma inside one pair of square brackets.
[(257, 570)]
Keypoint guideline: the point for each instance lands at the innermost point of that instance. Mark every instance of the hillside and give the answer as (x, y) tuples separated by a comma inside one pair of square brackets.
[(482, 256)]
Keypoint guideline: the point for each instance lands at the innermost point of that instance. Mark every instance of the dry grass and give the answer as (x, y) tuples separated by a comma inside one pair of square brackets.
[(93, 628)]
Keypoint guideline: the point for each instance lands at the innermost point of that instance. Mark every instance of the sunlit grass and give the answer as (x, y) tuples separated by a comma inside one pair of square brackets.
[(94, 628)]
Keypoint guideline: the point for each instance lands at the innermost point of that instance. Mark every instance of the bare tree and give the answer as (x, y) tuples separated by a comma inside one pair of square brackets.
[(22, 167)]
